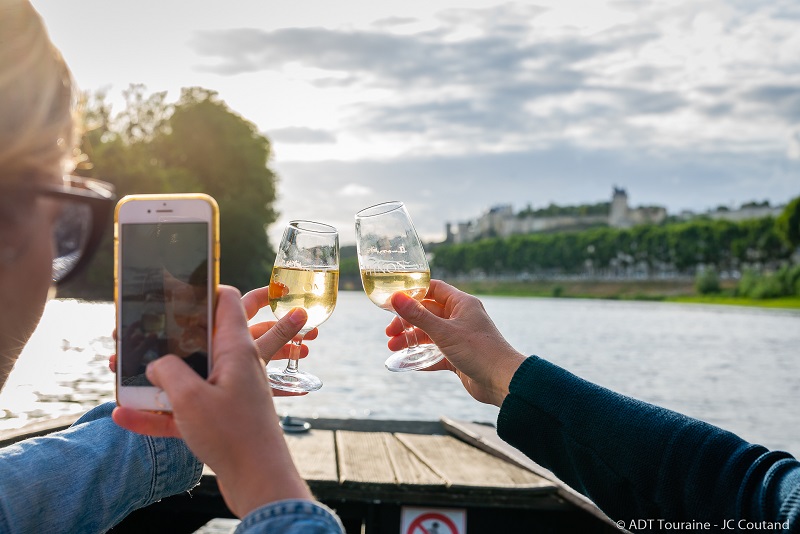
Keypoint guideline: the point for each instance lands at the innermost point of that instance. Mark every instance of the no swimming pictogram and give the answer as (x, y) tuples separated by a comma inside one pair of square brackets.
[(433, 521)]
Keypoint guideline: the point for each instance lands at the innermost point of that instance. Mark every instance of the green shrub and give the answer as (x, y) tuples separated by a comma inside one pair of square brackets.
[(707, 282), (747, 283)]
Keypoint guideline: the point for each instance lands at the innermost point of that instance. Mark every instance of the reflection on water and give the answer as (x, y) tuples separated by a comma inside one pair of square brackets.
[(738, 368)]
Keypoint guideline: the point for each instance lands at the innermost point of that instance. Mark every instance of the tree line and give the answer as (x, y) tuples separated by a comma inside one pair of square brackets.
[(648, 250), (195, 145)]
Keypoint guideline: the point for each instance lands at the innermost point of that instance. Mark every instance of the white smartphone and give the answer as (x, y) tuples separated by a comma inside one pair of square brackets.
[(166, 276)]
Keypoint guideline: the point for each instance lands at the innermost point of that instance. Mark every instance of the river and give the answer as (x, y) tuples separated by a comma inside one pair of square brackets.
[(735, 367)]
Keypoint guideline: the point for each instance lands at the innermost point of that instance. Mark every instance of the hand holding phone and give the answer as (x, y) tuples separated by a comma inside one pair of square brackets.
[(229, 422), (166, 272)]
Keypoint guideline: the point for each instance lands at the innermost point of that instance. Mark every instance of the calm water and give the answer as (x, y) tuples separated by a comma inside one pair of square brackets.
[(738, 368)]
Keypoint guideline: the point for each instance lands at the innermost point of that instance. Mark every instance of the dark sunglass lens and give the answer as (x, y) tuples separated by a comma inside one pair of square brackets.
[(70, 233)]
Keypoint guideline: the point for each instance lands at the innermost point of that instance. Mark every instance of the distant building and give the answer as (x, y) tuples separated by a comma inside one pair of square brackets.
[(501, 221), (622, 216), (746, 211)]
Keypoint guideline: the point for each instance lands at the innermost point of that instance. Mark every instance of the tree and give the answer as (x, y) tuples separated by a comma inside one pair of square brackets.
[(788, 223), (229, 159), (197, 145)]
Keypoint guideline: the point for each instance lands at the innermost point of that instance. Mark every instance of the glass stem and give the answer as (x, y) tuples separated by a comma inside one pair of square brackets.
[(411, 335), (294, 355)]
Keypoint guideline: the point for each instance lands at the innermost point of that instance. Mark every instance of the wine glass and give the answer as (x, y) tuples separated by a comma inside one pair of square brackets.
[(305, 275), (391, 259)]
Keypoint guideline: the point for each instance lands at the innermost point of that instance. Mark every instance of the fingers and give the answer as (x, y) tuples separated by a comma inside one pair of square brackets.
[(148, 423), (231, 327), (112, 363), (441, 292), (254, 300), (259, 329), (399, 341), (396, 326), (415, 313), (177, 379), (280, 334)]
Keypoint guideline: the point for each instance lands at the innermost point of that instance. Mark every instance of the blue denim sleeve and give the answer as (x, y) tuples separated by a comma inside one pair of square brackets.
[(88, 477), (293, 516)]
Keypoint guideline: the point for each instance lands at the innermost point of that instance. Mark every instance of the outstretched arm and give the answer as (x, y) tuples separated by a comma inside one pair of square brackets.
[(635, 460)]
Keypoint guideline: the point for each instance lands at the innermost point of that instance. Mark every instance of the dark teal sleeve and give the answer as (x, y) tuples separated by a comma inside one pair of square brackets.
[(639, 461)]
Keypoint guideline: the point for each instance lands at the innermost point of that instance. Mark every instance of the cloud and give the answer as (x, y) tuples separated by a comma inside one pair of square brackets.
[(354, 190), (300, 135), (793, 151), (687, 104), (391, 22), (504, 78)]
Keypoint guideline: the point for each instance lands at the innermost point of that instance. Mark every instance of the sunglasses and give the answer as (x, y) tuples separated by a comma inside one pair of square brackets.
[(82, 209)]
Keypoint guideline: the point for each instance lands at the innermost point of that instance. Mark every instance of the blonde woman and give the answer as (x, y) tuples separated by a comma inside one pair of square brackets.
[(89, 477)]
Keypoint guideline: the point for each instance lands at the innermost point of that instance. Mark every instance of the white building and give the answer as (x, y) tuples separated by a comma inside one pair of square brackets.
[(500, 221)]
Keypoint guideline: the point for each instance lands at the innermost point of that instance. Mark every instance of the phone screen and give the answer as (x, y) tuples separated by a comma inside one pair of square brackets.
[(164, 296)]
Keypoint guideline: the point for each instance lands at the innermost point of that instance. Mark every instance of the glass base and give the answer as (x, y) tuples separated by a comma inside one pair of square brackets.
[(414, 359), (293, 381)]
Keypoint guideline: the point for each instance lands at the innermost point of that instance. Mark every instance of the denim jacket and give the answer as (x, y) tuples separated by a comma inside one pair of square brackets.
[(88, 477), (293, 516)]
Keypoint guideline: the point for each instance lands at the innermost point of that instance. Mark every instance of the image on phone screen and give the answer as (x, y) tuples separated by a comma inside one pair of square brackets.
[(164, 296)]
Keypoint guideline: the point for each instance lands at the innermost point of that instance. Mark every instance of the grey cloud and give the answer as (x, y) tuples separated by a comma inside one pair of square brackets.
[(424, 58), (783, 100), (485, 86), (302, 135), (391, 22)]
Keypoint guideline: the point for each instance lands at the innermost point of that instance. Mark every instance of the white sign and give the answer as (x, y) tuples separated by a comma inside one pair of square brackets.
[(433, 520)]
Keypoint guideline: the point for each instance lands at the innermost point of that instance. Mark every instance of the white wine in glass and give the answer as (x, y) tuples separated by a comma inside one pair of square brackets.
[(305, 275), (391, 259)]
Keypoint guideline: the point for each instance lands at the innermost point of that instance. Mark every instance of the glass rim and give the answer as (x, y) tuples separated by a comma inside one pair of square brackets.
[(389, 206), (312, 226)]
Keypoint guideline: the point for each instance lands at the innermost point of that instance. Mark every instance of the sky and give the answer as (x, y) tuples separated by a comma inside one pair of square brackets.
[(454, 106)]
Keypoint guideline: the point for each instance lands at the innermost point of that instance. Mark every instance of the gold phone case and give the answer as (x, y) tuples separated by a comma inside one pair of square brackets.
[(215, 249)]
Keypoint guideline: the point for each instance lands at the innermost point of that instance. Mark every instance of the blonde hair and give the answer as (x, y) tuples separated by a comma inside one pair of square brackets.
[(37, 130)]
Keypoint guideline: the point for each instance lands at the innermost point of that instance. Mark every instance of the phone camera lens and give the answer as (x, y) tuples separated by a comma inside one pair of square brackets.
[(148, 211)]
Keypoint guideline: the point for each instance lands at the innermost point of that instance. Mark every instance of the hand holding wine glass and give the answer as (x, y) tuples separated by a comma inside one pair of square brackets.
[(305, 275), (391, 259)]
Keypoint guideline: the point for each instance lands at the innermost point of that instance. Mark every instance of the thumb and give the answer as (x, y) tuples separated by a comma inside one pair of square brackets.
[(175, 377), (416, 314), (280, 334)]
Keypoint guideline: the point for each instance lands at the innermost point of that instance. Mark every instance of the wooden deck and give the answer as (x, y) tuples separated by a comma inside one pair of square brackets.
[(369, 470)]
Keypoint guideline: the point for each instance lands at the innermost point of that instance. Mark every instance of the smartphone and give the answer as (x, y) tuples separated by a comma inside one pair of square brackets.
[(166, 272)]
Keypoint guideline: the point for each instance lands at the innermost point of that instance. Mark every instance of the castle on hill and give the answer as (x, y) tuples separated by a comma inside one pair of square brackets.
[(501, 221)]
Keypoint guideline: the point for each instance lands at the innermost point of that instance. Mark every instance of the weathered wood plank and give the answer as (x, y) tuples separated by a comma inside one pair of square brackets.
[(363, 458), (485, 438), (219, 526), (408, 468), (314, 454), (41, 428), (460, 464)]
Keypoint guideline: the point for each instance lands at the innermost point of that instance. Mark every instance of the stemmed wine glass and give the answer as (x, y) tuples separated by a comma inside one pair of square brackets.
[(391, 259), (305, 275)]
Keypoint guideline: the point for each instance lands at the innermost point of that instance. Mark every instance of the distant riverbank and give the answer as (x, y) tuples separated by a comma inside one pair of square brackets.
[(654, 290)]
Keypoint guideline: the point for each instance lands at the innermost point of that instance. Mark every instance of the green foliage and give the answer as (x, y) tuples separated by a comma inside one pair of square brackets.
[(707, 282), (783, 283), (788, 223), (195, 145), (349, 267), (601, 208), (678, 247)]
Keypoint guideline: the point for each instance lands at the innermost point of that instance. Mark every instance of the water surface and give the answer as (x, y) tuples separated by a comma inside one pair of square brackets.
[(735, 367)]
